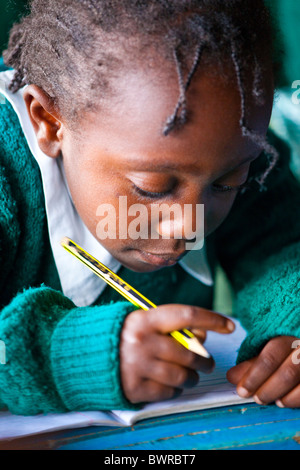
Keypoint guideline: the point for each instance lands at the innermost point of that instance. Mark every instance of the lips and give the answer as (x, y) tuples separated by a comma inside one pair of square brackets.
[(160, 259)]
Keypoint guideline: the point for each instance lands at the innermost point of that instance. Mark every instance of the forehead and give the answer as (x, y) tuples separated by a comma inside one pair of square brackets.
[(131, 126)]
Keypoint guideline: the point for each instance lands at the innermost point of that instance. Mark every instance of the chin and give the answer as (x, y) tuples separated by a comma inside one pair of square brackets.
[(141, 267), (139, 262)]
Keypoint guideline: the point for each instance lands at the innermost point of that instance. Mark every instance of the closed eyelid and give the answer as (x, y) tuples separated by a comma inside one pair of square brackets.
[(153, 185), (236, 173), (150, 194), (158, 186)]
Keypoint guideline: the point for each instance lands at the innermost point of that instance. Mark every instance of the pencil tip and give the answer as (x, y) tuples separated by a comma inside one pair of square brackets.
[(64, 241), (196, 347)]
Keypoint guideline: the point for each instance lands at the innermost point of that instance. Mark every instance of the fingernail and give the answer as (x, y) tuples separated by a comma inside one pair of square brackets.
[(280, 404), (258, 401), (230, 326), (243, 392)]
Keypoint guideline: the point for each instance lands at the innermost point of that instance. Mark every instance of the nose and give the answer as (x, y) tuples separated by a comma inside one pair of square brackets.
[(180, 221), (171, 225)]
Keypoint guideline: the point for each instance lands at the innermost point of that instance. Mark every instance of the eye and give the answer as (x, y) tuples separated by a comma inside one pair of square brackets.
[(150, 194), (225, 188)]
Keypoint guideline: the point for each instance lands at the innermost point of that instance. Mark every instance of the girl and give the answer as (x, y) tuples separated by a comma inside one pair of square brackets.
[(161, 101)]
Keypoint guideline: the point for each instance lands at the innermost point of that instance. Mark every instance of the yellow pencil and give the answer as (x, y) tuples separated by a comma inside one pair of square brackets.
[(184, 337)]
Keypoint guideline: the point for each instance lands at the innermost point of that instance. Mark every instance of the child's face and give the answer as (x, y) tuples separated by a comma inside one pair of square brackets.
[(121, 151)]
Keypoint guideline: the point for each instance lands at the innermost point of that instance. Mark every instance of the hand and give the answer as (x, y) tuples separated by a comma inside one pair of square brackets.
[(153, 365), (273, 376)]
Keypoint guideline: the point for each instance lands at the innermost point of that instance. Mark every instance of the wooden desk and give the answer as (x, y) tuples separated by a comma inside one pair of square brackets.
[(239, 427)]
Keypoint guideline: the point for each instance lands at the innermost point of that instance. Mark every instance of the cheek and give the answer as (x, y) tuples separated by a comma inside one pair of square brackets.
[(103, 207), (90, 191), (217, 210)]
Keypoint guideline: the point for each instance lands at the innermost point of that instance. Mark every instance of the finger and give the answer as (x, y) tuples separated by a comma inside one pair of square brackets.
[(167, 318), (171, 375), (269, 360), (166, 349), (291, 400), (200, 334), (235, 374), (151, 391), (283, 381)]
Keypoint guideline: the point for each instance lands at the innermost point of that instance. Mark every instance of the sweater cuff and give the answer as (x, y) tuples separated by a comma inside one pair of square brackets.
[(260, 336), (85, 357), (269, 306)]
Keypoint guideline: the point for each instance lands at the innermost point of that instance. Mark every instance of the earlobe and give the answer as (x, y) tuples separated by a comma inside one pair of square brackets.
[(45, 120)]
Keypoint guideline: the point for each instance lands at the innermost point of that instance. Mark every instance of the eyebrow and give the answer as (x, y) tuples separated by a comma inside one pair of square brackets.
[(161, 166)]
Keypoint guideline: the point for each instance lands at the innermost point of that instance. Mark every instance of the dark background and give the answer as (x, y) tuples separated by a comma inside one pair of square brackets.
[(10, 11), (286, 14)]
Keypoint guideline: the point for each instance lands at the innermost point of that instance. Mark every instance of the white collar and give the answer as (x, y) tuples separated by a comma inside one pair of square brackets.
[(78, 283)]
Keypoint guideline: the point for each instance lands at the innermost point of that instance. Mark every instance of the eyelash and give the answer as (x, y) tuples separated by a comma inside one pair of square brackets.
[(148, 194), (216, 188), (227, 188)]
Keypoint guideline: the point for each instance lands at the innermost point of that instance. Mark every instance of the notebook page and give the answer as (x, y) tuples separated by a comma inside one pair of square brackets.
[(213, 390), (13, 426)]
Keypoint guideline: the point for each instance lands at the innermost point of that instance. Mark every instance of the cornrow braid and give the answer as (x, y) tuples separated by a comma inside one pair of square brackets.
[(74, 50), (259, 140), (174, 120), (17, 39)]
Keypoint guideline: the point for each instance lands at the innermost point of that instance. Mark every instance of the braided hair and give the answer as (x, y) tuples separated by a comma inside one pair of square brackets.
[(71, 50)]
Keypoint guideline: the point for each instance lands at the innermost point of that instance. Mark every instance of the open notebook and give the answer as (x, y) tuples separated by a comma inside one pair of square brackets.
[(212, 391)]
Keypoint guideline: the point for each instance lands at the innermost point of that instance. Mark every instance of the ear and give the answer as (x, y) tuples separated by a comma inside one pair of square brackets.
[(45, 120)]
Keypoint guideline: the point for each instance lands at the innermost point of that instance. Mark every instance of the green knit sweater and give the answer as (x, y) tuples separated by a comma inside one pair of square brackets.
[(61, 357)]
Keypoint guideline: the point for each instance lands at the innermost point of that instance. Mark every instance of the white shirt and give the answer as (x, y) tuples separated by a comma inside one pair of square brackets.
[(77, 281)]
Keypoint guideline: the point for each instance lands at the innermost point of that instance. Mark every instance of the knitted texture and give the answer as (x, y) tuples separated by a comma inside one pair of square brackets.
[(84, 355), (82, 369), (277, 311), (259, 248), (168, 285), (61, 357), (26, 327), (25, 253)]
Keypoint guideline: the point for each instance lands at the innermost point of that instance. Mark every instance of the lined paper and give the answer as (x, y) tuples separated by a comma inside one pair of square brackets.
[(212, 391)]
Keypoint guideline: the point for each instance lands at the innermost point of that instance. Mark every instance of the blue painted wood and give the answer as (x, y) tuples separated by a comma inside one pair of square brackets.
[(240, 428)]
